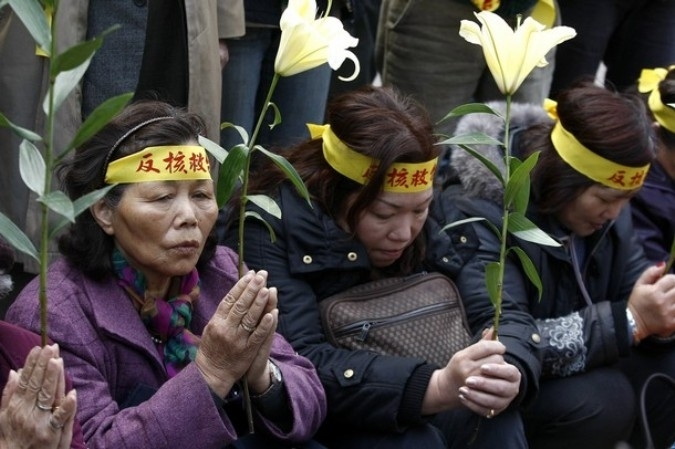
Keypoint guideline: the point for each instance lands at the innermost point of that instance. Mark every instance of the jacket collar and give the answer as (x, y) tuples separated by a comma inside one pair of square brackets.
[(315, 241), (115, 315)]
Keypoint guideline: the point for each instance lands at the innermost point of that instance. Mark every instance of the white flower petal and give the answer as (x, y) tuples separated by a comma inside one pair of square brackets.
[(509, 55), (307, 42)]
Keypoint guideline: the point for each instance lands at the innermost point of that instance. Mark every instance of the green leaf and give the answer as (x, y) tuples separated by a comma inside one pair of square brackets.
[(240, 129), (671, 258), (485, 161), (64, 84), (472, 139), (253, 214), (522, 195), (267, 204), (524, 229), (488, 223), (78, 54), (529, 268), (460, 222), (69, 67), (21, 132), (519, 182), (32, 167), (277, 115), (230, 173), (58, 202), (33, 17), (289, 171), (471, 108), (492, 282), (98, 119), (79, 206), (213, 148), (16, 237)]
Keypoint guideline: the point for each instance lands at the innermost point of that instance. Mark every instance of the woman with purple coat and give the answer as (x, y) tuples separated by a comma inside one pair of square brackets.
[(155, 325)]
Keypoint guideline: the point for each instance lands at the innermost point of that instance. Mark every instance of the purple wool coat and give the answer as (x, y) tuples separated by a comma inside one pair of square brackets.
[(110, 358)]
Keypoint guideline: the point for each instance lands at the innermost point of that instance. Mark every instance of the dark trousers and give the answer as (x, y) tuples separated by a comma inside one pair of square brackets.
[(597, 409), (256, 441), (627, 35), (418, 437), (457, 429)]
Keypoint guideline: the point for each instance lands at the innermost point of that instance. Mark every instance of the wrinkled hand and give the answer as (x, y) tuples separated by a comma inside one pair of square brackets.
[(652, 303), (237, 339), (476, 377), (34, 411)]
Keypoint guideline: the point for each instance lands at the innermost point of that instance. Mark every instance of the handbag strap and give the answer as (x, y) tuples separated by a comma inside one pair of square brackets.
[(649, 444)]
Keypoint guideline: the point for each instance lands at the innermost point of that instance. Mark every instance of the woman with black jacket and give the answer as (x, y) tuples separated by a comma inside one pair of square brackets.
[(370, 176), (606, 318)]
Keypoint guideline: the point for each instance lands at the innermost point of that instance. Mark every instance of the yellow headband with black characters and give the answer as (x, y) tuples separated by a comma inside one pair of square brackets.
[(405, 177), (164, 163), (590, 164), (649, 82)]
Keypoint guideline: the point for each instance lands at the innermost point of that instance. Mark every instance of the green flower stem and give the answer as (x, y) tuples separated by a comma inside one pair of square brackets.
[(671, 259), (44, 210), (505, 222), (242, 211)]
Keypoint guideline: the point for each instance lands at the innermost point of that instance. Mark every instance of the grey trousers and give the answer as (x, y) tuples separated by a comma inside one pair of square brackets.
[(421, 53)]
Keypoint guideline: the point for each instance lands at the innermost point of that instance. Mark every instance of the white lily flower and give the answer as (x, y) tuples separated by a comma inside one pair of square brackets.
[(512, 55), (308, 42)]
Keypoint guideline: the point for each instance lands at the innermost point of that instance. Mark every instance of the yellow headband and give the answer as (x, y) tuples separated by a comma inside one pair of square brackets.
[(649, 82), (406, 177), (595, 167), (166, 163), (588, 163)]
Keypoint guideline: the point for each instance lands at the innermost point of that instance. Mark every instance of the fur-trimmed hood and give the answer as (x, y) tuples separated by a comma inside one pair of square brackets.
[(477, 181)]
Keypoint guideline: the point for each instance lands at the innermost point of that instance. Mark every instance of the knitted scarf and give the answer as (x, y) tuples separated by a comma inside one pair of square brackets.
[(167, 319)]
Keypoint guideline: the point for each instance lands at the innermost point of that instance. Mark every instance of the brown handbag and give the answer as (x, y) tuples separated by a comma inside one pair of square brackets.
[(419, 316)]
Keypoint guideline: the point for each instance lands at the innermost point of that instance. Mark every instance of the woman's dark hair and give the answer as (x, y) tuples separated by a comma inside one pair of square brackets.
[(611, 124), (375, 121), (139, 125)]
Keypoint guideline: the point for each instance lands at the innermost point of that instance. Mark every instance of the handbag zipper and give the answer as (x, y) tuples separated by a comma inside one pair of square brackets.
[(363, 327)]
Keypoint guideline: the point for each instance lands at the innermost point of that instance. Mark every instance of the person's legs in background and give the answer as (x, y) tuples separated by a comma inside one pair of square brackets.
[(581, 56), (241, 83), (247, 77), (645, 39), (362, 24), (300, 99)]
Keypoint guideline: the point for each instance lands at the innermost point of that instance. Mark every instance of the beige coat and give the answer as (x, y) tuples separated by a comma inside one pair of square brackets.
[(24, 81)]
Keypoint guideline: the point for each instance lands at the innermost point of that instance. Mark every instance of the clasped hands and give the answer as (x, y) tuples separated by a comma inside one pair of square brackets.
[(35, 412), (476, 377), (652, 303), (236, 342)]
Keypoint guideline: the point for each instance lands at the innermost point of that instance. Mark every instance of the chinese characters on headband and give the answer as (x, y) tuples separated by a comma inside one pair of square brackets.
[(177, 162)]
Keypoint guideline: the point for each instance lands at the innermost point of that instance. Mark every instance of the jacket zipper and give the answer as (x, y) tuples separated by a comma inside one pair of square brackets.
[(363, 327)]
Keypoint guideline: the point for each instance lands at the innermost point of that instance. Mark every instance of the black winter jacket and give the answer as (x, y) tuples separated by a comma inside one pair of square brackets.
[(311, 259), (580, 322)]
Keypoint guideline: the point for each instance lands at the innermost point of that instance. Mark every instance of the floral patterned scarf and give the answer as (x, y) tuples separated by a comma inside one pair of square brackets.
[(167, 319)]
